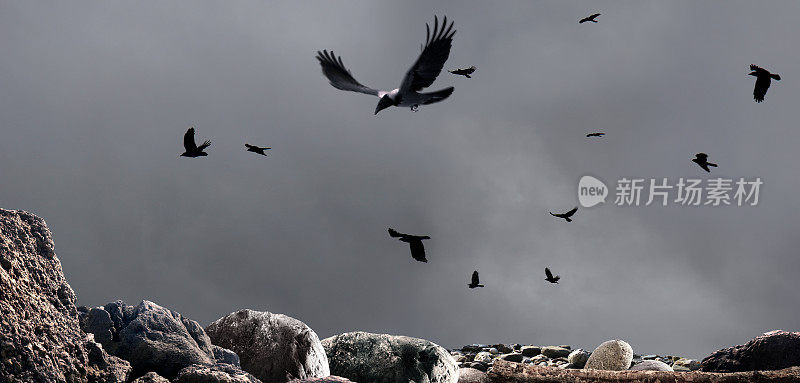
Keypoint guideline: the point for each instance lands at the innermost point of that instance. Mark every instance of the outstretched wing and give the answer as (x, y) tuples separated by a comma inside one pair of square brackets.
[(417, 250), (571, 212), (475, 279), (434, 54), (394, 233), (340, 77), (206, 144), (548, 273), (248, 146), (188, 140)]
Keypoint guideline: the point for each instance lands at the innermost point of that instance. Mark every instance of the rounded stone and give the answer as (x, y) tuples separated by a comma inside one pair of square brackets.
[(611, 355)]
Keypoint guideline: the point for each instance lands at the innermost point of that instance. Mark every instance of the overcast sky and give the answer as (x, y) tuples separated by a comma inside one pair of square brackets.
[(95, 98)]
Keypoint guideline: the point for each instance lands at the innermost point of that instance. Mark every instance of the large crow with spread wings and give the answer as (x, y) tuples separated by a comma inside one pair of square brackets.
[(550, 278), (589, 18), (475, 280), (702, 160), (763, 80), (192, 150), (414, 242), (567, 216), (464, 72), (421, 75), (256, 149)]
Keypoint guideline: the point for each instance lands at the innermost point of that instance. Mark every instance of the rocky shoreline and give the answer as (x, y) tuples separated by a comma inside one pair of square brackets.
[(44, 337)]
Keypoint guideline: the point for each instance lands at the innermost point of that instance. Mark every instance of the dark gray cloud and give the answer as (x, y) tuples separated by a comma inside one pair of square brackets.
[(96, 96)]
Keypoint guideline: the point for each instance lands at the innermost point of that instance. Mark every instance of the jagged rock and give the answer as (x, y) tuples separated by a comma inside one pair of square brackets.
[(651, 365), (381, 358), (506, 372), (223, 355), (555, 351), (770, 351), (484, 357), (502, 349), (217, 373), (150, 337), (578, 358), (151, 377), (40, 336), (471, 375), (611, 355), (273, 347)]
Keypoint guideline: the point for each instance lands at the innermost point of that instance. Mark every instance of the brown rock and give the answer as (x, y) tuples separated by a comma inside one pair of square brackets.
[(509, 372), (770, 351)]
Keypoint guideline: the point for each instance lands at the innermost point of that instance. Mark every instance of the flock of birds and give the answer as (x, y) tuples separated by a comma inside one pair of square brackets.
[(421, 75)]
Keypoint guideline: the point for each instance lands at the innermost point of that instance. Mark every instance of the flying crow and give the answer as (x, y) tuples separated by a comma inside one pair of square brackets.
[(763, 80), (421, 75), (192, 150), (414, 242), (464, 72), (596, 134), (475, 281), (550, 278), (566, 215), (589, 18), (256, 149), (702, 160)]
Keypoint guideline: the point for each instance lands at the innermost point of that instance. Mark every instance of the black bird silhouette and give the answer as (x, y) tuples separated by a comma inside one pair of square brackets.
[(566, 215), (192, 150), (596, 134), (475, 281), (589, 18), (256, 149), (763, 80), (550, 278), (414, 242), (702, 160), (464, 72)]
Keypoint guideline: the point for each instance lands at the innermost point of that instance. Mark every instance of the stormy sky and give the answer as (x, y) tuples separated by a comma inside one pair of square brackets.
[(95, 98)]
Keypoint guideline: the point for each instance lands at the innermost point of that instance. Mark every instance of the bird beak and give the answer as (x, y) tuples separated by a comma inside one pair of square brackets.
[(384, 103)]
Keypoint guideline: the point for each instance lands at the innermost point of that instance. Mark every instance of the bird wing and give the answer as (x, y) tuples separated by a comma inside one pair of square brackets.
[(760, 90), (548, 273), (430, 62), (758, 69), (394, 233), (188, 140), (593, 16), (340, 77), (206, 144), (248, 146), (571, 212), (475, 279), (417, 250)]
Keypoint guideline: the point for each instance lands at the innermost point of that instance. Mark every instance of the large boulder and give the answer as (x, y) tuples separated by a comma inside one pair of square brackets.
[(471, 375), (578, 358), (381, 358), (150, 337), (40, 336), (774, 350), (611, 355), (273, 347), (218, 373)]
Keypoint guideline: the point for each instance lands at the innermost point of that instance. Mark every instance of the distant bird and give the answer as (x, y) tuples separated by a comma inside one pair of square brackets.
[(596, 134), (256, 149), (702, 160), (421, 75), (414, 242), (763, 80), (567, 216), (192, 150), (550, 278), (464, 72), (589, 18), (475, 281)]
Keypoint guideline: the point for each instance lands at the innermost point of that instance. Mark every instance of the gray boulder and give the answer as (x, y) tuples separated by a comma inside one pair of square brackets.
[(381, 358), (217, 373), (512, 357), (555, 352), (611, 355), (774, 350), (651, 365), (150, 337), (578, 358), (531, 351), (471, 375), (40, 335), (327, 379), (223, 355), (483, 356), (272, 347)]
